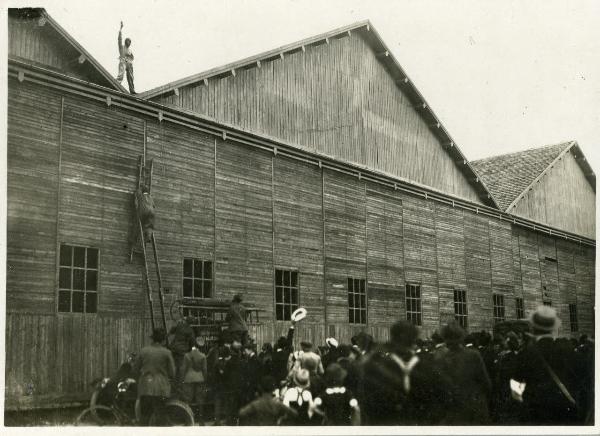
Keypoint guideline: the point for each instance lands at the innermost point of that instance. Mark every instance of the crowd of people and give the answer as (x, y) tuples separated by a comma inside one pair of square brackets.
[(517, 377)]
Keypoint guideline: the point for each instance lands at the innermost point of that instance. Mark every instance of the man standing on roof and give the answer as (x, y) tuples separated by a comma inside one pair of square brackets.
[(125, 61)]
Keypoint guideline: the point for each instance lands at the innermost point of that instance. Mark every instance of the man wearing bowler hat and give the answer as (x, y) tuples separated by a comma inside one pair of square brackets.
[(547, 368), (156, 369)]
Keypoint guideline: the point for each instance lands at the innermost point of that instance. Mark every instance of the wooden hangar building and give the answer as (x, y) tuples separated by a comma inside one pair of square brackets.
[(314, 175)]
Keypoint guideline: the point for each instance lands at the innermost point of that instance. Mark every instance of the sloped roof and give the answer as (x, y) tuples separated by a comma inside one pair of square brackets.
[(42, 14), (509, 176), (366, 30)]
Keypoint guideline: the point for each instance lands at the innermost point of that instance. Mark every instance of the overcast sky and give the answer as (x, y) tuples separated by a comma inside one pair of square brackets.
[(502, 76)]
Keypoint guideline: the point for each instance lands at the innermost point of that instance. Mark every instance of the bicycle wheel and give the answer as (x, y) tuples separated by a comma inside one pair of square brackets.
[(176, 413), (98, 415)]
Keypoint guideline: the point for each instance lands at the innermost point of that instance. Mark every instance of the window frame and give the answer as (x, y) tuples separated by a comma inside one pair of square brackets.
[(356, 296), (573, 318), (283, 304), (499, 310), (417, 314), (461, 303), (519, 307), (71, 268), (202, 279)]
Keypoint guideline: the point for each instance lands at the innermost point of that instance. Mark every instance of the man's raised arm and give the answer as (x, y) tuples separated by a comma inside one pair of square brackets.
[(120, 40)]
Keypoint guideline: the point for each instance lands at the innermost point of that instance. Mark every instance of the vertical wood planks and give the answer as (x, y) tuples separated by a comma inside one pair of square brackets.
[(385, 263), (337, 99)]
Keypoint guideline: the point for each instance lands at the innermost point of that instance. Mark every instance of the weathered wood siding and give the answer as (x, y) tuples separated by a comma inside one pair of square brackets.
[(99, 156), (563, 199), (385, 257), (420, 258), (244, 225), (53, 359), (298, 236), (33, 136), (451, 260), (183, 186), (334, 98), (44, 46), (344, 200), (478, 270), (72, 169)]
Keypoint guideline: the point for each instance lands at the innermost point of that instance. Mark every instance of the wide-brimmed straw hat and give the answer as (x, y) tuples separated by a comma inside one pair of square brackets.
[(299, 314), (332, 342), (544, 320)]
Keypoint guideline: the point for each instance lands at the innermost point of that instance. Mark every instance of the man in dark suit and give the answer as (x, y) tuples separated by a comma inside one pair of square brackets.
[(470, 384), (399, 387), (236, 317), (549, 371), (156, 369)]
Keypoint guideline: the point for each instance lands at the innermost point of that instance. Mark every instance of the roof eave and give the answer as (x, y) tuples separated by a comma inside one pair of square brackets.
[(116, 85)]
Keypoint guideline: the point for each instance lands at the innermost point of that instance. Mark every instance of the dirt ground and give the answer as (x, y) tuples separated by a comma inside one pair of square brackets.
[(42, 417)]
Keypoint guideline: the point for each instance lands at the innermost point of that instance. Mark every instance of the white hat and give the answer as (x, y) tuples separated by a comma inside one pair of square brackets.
[(299, 314), (332, 342)]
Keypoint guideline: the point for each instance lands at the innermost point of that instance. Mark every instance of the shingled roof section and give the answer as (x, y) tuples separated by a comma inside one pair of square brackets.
[(508, 175)]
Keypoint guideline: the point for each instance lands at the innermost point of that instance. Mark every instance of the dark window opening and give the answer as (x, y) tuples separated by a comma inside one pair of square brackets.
[(460, 308), (414, 311), (357, 301), (548, 303), (78, 279), (573, 317), (550, 259), (286, 294), (197, 278), (520, 308), (498, 308)]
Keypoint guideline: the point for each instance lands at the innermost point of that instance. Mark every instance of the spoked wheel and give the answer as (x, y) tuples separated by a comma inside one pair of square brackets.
[(98, 415), (177, 413)]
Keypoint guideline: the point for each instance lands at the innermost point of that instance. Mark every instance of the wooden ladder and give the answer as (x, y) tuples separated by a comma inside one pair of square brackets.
[(145, 175)]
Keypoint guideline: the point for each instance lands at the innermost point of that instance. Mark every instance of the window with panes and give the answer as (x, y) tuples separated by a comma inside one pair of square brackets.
[(520, 308), (414, 311), (573, 317), (357, 301), (286, 293), (78, 279), (460, 307), (197, 278), (498, 308)]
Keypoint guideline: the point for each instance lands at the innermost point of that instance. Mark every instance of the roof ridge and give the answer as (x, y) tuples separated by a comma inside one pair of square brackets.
[(513, 153)]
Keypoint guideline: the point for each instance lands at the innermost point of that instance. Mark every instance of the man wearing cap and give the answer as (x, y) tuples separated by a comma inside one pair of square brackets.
[(156, 368), (236, 317), (547, 368)]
